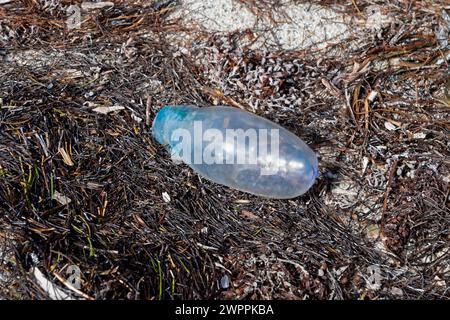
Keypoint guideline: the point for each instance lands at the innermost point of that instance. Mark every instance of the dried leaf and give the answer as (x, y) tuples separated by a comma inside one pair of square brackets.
[(106, 110), (66, 157)]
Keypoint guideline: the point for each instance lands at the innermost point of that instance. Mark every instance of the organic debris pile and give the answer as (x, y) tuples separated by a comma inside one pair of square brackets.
[(92, 205)]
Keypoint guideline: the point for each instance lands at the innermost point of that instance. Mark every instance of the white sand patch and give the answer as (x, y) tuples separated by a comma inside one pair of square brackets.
[(290, 26), (217, 15)]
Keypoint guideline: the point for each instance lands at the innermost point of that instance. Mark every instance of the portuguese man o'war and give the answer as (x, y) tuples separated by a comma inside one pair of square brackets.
[(237, 149)]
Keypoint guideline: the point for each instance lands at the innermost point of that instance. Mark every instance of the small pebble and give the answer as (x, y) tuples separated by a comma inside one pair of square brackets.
[(225, 282)]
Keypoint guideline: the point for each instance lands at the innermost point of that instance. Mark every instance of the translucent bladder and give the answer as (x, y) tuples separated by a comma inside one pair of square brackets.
[(237, 149)]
